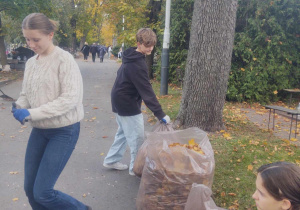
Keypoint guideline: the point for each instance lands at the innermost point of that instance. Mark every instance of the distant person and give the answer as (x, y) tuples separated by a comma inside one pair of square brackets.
[(109, 50), (120, 53), (278, 187), (93, 50), (98, 50), (102, 52), (51, 100), (85, 51), (132, 86)]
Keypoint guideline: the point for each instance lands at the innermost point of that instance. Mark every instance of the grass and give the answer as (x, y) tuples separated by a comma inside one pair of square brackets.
[(239, 151)]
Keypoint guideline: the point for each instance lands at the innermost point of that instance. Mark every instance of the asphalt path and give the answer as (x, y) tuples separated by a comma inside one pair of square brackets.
[(84, 177)]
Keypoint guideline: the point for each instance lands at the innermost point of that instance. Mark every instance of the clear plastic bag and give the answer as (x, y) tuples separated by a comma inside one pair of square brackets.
[(200, 199), (142, 153), (169, 172)]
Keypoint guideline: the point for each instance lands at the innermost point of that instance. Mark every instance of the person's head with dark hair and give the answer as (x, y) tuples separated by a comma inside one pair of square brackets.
[(278, 187), (38, 31), (146, 40)]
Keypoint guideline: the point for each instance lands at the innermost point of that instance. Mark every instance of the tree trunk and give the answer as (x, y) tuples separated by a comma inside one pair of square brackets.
[(208, 65), (82, 41), (155, 8), (3, 58)]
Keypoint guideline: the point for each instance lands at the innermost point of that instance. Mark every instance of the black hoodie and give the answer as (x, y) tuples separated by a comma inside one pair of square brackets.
[(132, 85)]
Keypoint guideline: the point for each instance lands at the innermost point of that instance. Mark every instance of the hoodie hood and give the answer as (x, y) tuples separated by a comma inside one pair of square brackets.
[(131, 55)]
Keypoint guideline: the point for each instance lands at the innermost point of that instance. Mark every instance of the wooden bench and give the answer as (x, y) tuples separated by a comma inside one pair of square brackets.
[(291, 112)]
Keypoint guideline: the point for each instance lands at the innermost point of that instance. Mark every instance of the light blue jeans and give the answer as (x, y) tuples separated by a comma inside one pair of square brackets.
[(48, 151), (131, 132)]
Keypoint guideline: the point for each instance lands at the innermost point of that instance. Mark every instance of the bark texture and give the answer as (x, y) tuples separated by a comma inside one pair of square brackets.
[(3, 58), (208, 65)]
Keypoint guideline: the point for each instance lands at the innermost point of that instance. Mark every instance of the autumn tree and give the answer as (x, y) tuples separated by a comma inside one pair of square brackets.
[(208, 64)]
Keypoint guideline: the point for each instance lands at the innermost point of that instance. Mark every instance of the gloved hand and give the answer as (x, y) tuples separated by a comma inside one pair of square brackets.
[(14, 107), (166, 119), (21, 114)]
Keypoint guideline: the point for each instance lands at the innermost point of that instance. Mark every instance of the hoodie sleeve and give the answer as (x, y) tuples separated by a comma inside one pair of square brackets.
[(141, 81)]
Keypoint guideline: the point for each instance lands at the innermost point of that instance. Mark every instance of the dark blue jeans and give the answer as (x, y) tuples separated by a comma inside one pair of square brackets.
[(47, 153)]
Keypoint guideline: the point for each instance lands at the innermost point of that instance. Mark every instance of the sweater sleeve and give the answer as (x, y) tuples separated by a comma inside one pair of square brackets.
[(71, 92), (22, 102), (140, 79)]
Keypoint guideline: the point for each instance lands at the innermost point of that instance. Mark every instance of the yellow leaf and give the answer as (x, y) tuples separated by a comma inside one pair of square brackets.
[(294, 139), (84, 195), (250, 167), (242, 69), (254, 59), (275, 92), (13, 172), (232, 194), (237, 179), (94, 118), (102, 154), (15, 199), (192, 142), (227, 136), (222, 131)]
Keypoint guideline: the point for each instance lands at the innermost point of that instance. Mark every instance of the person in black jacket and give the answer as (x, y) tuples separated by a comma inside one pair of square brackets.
[(85, 51), (93, 50), (131, 86)]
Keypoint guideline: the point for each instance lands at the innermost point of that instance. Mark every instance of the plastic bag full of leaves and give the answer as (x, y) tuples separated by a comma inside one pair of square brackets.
[(170, 171)]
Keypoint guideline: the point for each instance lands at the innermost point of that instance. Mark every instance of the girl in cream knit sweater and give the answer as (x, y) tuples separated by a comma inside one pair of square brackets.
[(51, 100)]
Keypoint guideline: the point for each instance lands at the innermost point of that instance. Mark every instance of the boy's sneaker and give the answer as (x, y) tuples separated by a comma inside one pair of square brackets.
[(131, 173), (117, 165)]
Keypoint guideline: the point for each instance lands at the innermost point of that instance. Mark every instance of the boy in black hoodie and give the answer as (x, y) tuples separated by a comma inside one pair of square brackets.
[(132, 85)]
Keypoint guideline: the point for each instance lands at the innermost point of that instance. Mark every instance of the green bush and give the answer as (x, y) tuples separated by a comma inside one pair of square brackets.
[(266, 51), (265, 57)]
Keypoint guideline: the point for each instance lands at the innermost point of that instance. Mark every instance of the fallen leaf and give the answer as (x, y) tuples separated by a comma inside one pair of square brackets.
[(223, 194), (237, 179), (95, 108), (15, 199), (84, 195), (104, 137), (13, 172), (102, 154), (294, 139), (192, 142), (250, 167), (232, 194)]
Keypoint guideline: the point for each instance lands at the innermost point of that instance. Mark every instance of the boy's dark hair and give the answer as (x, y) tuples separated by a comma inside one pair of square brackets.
[(146, 36), (282, 180)]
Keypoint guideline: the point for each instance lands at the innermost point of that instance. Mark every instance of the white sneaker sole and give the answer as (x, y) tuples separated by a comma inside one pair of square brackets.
[(113, 167)]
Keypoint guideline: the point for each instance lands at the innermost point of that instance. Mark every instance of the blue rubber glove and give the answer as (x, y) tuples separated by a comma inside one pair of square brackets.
[(21, 114), (14, 107), (166, 119)]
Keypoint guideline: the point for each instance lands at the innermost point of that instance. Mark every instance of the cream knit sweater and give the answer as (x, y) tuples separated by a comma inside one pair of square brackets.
[(52, 90)]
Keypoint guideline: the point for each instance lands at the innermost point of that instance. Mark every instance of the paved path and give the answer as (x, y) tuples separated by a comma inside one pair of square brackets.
[(84, 176), (281, 126)]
